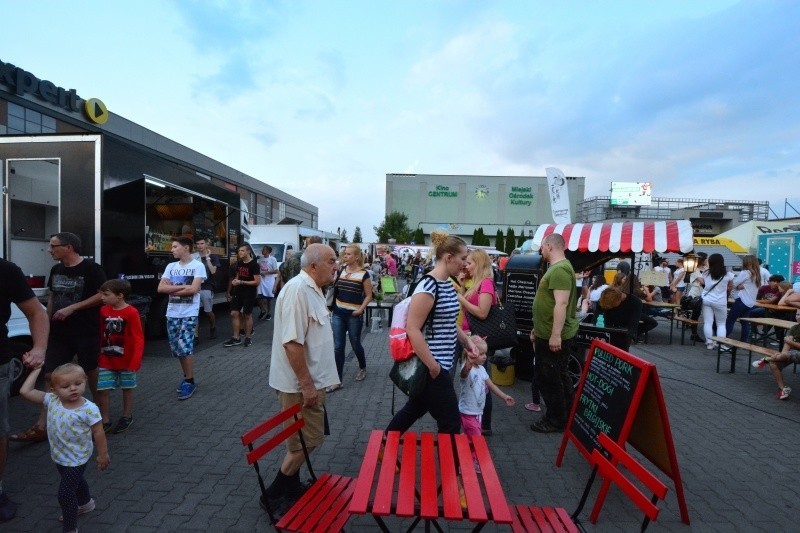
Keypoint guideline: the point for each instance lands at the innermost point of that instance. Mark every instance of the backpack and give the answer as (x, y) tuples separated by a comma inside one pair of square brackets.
[(399, 346)]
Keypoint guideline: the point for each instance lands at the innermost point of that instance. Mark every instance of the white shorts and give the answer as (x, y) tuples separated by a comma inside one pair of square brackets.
[(266, 286)]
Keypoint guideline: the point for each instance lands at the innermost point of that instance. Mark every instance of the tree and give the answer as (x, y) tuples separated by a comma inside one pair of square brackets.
[(419, 236), (357, 236), (343, 236), (499, 241), (474, 240), (394, 226), (522, 238), (511, 241)]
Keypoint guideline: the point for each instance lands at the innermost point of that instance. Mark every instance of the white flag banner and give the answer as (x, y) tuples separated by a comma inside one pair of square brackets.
[(559, 196)]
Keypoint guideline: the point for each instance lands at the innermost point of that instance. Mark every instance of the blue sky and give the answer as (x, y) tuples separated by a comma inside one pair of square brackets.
[(322, 99)]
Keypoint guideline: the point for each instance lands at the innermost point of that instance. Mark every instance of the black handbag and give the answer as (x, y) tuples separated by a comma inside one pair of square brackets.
[(691, 303), (410, 376), (499, 328)]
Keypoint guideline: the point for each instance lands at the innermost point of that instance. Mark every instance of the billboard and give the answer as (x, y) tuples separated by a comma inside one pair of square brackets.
[(625, 193)]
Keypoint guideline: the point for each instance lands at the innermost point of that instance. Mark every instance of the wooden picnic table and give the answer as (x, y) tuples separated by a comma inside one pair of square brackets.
[(419, 476), (776, 323), (776, 307), (665, 305)]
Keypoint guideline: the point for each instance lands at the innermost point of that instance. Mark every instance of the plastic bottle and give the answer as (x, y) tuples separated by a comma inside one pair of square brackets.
[(601, 321)]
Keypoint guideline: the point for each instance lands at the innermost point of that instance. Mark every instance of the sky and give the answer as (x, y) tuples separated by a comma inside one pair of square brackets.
[(322, 99)]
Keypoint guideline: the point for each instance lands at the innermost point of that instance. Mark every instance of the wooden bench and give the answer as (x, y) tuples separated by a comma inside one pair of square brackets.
[(734, 345), (683, 323), (324, 506)]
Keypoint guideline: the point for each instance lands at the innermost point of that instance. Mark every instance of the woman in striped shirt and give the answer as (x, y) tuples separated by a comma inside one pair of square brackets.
[(352, 293), (432, 330)]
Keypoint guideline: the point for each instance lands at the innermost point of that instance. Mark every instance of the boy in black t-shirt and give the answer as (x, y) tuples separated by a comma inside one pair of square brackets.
[(242, 291)]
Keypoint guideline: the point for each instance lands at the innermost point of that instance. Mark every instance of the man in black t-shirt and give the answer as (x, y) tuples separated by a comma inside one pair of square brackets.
[(15, 289), (242, 291), (74, 324)]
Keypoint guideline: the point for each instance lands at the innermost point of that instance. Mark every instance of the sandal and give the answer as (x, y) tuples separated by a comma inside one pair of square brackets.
[(361, 375), (334, 388), (32, 434)]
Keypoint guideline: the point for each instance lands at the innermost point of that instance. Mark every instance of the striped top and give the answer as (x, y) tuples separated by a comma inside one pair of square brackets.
[(441, 336), (350, 289)]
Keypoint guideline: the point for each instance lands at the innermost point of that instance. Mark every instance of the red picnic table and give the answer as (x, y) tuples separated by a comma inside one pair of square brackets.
[(427, 468)]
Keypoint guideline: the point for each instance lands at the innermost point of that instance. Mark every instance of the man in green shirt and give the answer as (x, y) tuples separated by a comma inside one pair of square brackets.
[(554, 327)]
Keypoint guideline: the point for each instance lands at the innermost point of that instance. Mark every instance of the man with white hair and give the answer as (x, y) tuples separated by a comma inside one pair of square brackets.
[(302, 363)]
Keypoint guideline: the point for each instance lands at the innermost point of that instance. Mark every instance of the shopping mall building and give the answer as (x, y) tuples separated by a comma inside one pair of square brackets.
[(461, 204)]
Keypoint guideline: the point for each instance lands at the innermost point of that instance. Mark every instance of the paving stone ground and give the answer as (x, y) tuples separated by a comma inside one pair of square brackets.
[(181, 465)]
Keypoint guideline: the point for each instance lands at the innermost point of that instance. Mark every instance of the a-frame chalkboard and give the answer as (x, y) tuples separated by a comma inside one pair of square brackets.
[(620, 395)]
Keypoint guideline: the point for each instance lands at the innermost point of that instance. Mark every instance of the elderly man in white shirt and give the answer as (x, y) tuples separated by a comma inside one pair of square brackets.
[(302, 363)]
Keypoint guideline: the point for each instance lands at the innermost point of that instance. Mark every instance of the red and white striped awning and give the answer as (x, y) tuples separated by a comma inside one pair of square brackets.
[(625, 237)]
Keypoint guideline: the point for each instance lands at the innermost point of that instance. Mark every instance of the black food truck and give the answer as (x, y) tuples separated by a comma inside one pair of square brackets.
[(587, 247), (125, 202)]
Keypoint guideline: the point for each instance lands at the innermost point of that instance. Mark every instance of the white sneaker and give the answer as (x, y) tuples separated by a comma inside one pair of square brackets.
[(87, 507), (711, 345), (761, 363), (784, 393)]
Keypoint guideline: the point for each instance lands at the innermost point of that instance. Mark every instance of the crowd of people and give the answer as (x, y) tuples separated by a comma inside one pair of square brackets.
[(317, 301)]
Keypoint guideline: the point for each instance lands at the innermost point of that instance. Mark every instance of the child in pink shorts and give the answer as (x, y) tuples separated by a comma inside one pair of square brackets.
[(475, 383)]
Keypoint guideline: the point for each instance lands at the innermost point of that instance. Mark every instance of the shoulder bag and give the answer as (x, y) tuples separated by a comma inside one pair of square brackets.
[(499, 328)]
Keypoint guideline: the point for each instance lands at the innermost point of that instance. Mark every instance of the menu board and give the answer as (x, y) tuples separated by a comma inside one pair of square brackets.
[(520, 290), (604, 396)]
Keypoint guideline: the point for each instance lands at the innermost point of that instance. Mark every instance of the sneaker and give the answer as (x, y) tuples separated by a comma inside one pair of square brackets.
[(180, 384), (269, 317), (212, 334), (543, 426), (533, 406), (233, 341), (361, 375), (107, 426), (87, 507), (187, 389), (123, 424), (263, 317), (711, 345), (248, 342), (8, 509), (724, 348), (784, 393), (760, 363)]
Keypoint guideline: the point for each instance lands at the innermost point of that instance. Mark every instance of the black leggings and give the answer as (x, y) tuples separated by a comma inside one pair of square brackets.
[(439, 399), (72, 491)]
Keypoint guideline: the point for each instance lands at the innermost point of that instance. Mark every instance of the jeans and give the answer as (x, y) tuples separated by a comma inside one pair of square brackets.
[(738, 310), (439, 399), (344, 323), (553, 381)]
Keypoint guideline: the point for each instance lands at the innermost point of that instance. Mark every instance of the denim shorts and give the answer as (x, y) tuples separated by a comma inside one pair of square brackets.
[(7, 371)]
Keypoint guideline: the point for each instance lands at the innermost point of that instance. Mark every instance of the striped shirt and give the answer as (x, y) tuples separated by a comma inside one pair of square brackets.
[(350, 289), (441, 337)]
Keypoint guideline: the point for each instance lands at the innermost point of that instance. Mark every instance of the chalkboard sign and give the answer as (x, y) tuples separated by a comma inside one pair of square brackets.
[(606, 396), (520, 290), (620, 395)]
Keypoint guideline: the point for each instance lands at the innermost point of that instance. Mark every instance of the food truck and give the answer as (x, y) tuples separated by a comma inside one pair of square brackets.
[(125, 202)]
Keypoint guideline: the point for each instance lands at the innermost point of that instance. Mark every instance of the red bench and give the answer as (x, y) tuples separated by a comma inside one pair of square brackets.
[(324, 506), (534, 519)]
